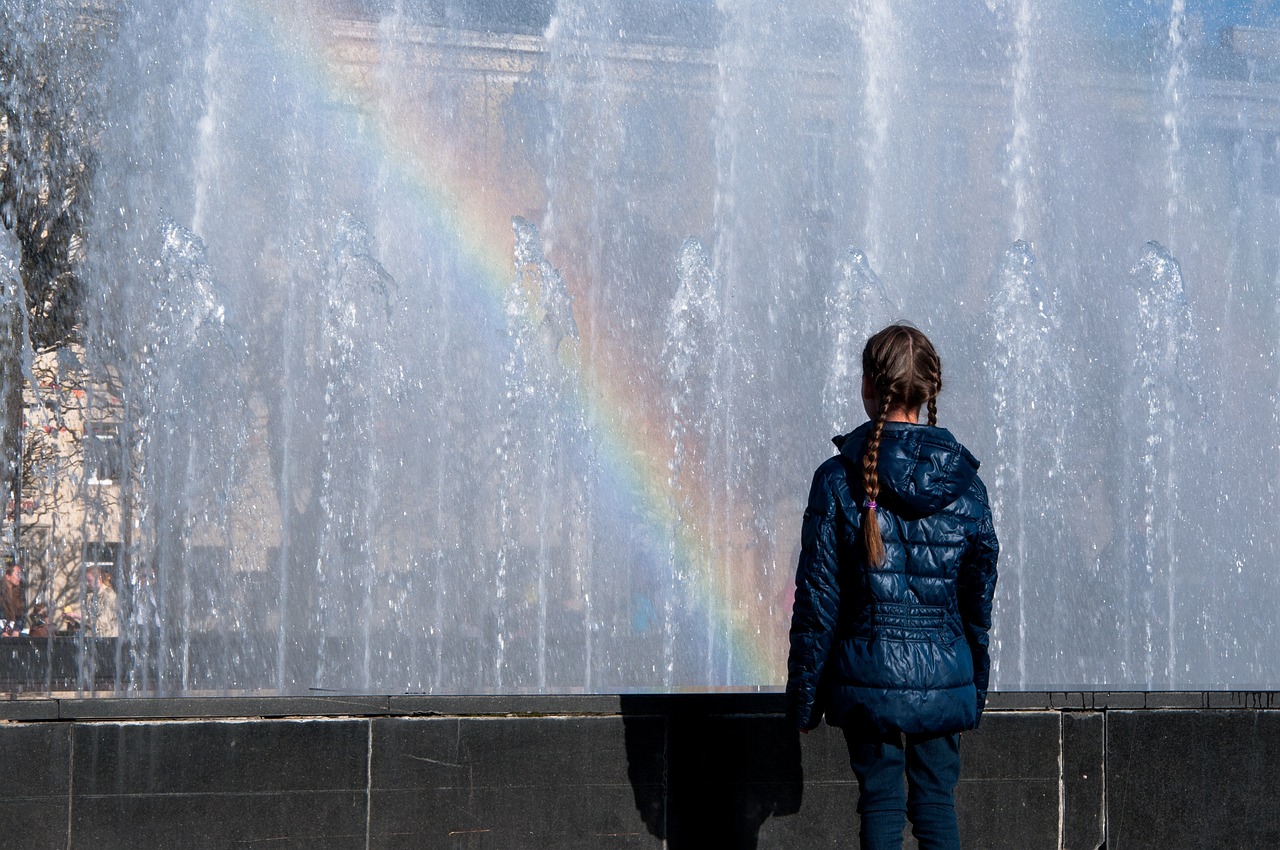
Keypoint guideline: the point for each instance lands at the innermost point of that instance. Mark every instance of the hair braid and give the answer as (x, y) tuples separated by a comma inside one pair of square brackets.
[(903, 366), (935, 387), (871, 539)]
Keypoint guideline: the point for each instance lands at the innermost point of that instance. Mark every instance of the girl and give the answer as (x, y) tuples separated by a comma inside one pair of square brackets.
[(893, 598)]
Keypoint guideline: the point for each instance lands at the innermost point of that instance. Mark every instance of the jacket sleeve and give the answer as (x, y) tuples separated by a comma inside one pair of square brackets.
[(976, 589), (817, 602)]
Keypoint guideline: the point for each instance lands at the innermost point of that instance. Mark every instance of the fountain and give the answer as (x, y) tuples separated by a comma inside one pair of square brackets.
[(415, 379), (855, 308)]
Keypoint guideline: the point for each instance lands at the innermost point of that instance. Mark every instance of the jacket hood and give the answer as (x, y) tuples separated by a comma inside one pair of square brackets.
[(924, 467)]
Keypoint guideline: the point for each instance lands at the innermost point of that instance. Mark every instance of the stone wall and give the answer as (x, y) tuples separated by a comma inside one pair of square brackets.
[(1075, 770)]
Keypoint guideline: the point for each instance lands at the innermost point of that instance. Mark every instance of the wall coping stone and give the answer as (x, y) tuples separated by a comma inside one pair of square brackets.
[(754, 702)]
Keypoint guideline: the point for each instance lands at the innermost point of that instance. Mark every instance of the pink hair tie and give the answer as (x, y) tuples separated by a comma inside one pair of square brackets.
[(869, 505)]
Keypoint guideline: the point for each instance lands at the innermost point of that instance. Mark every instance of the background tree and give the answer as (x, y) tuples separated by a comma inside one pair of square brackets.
[(47, 129)]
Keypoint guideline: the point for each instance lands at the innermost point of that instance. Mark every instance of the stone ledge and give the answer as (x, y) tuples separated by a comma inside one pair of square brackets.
[(199, 707), (1037, 701), (29, 709), (755, 702), (1258, 700)]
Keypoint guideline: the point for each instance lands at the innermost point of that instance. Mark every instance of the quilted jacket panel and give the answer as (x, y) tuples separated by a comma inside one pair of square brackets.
[(903, 646)]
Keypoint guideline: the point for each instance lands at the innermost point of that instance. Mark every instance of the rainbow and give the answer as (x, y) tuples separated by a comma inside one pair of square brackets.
[(471, 204)]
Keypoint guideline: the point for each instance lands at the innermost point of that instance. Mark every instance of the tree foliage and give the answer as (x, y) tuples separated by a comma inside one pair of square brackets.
[(48, 128), (48, 125)]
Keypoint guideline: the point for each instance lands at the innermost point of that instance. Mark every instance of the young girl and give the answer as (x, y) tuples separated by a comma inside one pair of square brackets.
[(893, 598)]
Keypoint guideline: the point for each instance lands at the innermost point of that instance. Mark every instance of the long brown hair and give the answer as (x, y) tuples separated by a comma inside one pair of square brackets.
[(903, 367)]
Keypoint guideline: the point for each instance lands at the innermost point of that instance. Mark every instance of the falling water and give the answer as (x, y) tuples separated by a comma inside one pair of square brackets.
[(369, 436), (1032, 405), (855, 308), (1163, 369), (882, 48), (1175, 61), (540, 505), (1021, 153), (360, 395), (10, 260), (13, 323), (693, 354), (191, 428)]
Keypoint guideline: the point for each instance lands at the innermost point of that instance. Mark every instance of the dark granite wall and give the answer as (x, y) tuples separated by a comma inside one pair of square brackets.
[(1075, 771)]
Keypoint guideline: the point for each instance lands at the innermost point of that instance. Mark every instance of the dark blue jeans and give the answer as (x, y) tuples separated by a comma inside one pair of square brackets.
[(932, 769)]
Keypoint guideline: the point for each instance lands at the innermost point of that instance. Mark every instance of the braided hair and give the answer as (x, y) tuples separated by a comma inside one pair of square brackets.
[(903, 368)]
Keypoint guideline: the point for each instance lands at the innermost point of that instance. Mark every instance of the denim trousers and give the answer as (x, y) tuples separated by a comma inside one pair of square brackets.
[(931, 765)]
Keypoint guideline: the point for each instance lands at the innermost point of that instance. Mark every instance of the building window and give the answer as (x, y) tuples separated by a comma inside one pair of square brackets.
[(820, 165), (1269, 168), (103, 556), (104, 463)]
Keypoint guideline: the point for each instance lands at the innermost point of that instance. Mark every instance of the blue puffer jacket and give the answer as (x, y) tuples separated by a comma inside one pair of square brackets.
[(901, 647)]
